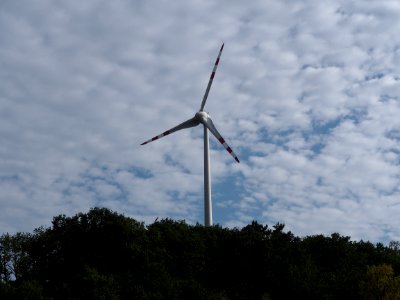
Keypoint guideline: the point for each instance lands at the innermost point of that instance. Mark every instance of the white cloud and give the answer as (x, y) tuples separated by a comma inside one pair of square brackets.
[(306, 93)]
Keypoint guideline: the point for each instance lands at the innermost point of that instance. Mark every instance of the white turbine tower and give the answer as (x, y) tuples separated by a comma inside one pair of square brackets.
[(204, 118)]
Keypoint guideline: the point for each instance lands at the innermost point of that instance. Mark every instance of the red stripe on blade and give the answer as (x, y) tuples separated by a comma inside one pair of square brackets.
[(229, 149), (212, 75), (217, 61), (154, 138), (221, 140), (167, 132), (237, 159)]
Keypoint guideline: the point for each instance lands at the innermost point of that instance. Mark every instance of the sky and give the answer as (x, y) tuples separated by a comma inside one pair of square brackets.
[(306, 94)]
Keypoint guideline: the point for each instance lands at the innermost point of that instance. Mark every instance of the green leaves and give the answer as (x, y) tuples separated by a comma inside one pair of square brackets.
[(104, 255), (380, 283)]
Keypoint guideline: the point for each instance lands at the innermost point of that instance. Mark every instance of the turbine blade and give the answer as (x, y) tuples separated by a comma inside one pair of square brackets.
[(187, 124), (203, 103), (210, 125)]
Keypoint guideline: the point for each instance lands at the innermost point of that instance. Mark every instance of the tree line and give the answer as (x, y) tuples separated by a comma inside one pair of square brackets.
[(104, 255)]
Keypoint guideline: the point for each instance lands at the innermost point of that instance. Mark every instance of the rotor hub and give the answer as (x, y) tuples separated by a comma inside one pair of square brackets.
[(202, 116)]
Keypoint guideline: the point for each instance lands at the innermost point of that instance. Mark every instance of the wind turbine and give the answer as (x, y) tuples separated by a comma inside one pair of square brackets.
[(202, 117)]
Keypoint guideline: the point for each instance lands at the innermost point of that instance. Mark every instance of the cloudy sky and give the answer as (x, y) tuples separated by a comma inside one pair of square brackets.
[(306, 93)]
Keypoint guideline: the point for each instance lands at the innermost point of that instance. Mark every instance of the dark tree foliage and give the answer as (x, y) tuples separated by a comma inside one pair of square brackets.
[(104, 255)]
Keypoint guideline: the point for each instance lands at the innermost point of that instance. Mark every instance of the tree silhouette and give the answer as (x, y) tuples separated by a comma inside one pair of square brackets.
[(104, 255)]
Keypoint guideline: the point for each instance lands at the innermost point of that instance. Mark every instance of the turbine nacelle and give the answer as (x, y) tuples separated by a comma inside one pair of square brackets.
[(202, 117)]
